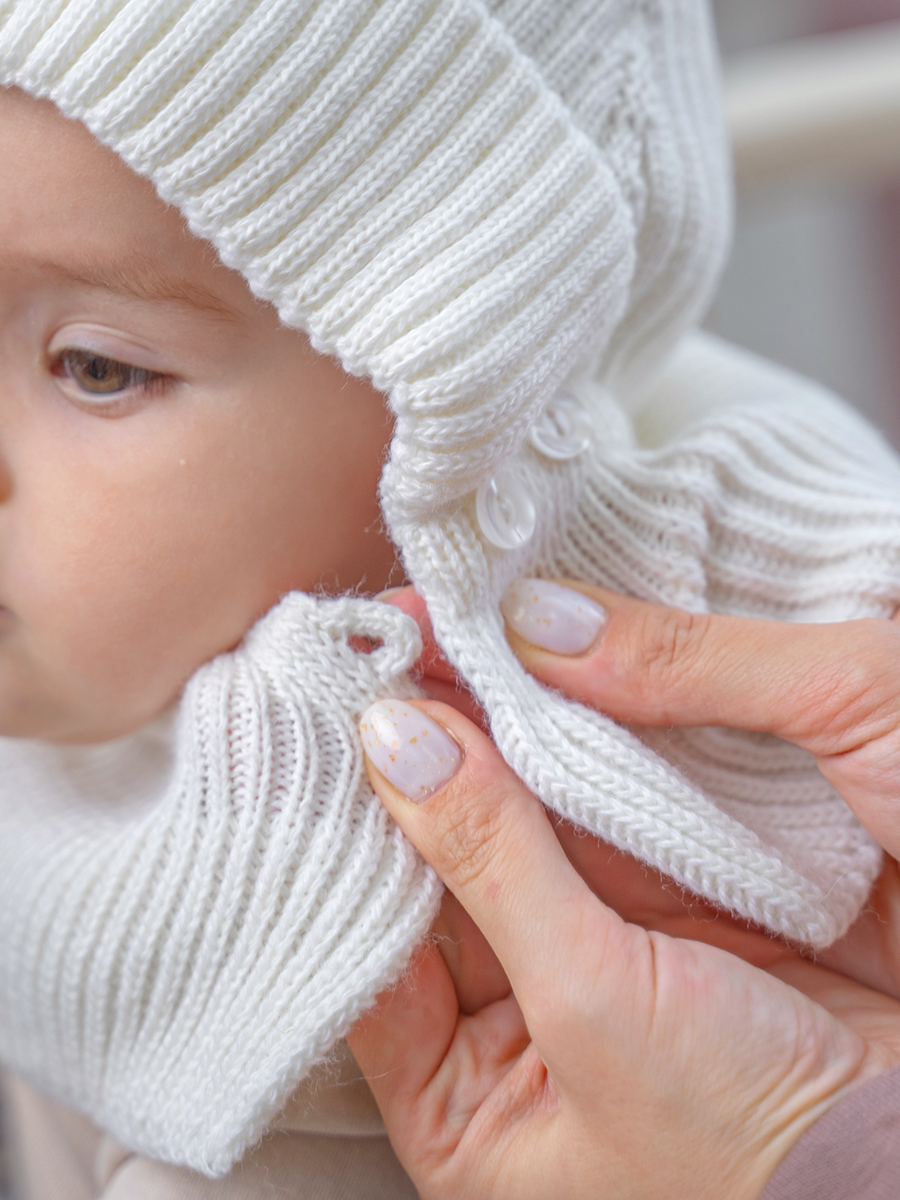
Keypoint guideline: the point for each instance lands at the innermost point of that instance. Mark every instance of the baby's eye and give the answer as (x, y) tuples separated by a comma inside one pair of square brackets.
[(99, 379)]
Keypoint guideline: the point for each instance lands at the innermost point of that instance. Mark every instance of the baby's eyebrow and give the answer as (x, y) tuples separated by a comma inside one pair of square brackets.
[(140, 278)]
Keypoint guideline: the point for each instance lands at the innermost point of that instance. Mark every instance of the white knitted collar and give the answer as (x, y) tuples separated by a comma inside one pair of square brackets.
[(200, 912)]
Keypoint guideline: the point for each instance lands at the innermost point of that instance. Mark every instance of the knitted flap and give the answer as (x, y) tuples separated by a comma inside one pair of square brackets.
[(782, 504), (176, 934)]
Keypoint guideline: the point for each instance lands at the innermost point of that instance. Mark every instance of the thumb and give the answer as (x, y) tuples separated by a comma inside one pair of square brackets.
[(448, 788)]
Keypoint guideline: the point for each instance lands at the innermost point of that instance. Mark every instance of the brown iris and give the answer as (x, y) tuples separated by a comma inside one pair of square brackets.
[(102, 376)]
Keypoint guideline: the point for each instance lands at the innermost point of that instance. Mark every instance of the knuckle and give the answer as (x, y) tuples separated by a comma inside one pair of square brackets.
[(467, 833), (855, 696), (874, 774), (668, 640)]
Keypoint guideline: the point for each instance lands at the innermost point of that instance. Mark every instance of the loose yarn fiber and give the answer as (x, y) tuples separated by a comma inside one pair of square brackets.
[(486, 207)]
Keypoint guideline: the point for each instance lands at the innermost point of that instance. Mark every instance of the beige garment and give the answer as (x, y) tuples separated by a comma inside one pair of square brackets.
[(329, 1144)]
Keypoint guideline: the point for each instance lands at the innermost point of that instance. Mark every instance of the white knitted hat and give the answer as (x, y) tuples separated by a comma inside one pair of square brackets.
[(505, 213)]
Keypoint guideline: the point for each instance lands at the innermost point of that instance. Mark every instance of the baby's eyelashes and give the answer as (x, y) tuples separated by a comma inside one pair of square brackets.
[(103, 383)]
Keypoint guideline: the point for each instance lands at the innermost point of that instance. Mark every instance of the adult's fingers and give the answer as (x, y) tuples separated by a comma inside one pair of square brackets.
[(489, 840), (869, 951), (403, 1039), (431, 1069), (642, 896), (477, 975), (828, 688)]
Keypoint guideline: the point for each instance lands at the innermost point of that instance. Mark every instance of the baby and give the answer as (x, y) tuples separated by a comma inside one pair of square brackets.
[(176, 459), (502, 217)]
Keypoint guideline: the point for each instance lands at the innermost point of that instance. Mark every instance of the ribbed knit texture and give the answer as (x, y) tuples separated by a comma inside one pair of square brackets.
[(783, 504), (401, 182), (188, 924), (474, 204)]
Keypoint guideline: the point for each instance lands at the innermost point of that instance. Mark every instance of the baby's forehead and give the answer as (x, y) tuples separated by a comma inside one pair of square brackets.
[(74, 213)]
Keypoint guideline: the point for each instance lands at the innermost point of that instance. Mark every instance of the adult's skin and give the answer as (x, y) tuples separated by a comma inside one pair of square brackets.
[(564, 1050)]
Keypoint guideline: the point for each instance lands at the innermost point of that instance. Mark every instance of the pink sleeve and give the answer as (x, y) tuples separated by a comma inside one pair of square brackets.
[(852, 1153)]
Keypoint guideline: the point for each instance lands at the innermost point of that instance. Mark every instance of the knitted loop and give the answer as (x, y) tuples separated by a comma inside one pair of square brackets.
[(299, 623)]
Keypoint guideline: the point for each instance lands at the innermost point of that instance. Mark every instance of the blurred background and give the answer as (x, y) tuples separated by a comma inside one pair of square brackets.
[(814, 279)]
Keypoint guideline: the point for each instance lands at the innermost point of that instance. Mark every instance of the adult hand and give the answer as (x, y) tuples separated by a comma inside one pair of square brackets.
[(616, 1061), (833, 689)]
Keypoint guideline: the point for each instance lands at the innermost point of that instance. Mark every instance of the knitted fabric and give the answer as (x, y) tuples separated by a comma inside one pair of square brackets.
[(404, 183), (474, 204), (780, 503), (190, 922)]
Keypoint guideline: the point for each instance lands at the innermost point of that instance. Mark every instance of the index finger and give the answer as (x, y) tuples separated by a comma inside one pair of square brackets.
[(827, 688)]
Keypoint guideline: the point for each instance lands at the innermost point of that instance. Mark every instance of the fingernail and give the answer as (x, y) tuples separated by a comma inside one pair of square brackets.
[(409, 749), (388, 592), (551, 616)]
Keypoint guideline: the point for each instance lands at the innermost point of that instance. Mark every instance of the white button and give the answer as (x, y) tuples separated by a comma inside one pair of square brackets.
[(505, 510), (561, 432)]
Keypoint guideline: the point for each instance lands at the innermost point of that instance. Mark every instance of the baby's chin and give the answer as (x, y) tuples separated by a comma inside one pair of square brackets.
[(80, 690), (67, 730), (34, 714)]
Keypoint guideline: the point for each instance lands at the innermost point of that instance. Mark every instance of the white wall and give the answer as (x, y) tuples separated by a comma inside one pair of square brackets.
[(809, 283)]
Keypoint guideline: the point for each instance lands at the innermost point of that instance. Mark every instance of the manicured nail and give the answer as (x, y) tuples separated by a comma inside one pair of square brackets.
[(409, 749), (551, 616)]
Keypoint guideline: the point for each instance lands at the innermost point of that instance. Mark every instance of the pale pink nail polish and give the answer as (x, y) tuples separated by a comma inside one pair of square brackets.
[(552, 617), (409, 749)]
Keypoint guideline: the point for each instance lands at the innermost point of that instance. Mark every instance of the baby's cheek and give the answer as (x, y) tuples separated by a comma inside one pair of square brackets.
[(115, 606), (140, 548)]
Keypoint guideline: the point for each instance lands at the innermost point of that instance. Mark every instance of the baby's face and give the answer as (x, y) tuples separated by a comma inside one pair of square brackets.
[(172, 460)]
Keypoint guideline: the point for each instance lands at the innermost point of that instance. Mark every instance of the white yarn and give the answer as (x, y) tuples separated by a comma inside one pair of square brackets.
[(401, 180), (471, 203), (188, 928), (782, 504)]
